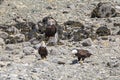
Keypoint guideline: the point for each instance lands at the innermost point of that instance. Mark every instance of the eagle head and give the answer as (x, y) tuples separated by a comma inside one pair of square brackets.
[(43, 44), (74, 52)]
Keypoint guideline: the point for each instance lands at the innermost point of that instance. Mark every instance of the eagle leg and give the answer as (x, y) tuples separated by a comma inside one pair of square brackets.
[(81, 61), (79, 58), (43, 57)]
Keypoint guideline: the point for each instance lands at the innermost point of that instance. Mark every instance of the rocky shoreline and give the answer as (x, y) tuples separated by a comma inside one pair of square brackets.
[(82, 24)]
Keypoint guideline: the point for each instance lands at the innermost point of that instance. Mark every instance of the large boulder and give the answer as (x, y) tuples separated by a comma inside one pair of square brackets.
[(71, 30), (28, 29), (103, 10), (103, 31), (19, 32)]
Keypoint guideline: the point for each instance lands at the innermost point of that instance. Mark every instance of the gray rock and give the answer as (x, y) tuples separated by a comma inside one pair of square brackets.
[(10, 47), (28, 50), (71, 6), (87, 42), (26, 44), (5, 58), (54, 51), (34, 41), (37, 46), (3, 35)]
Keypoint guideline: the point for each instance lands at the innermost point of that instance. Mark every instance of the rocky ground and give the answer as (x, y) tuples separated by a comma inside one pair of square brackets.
[(19, 59)]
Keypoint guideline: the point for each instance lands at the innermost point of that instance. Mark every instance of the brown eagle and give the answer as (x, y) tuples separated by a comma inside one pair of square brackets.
[(81, 54), (50, 31), (42, 50), (50, 26)]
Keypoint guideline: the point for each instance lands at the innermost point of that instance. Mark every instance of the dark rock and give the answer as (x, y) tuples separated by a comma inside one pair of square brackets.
[(72, 30), (73, 24), (65, 12), (48, 7), (103, 31), (60, 62), (20, 30), (116, 24), (28, 29), (118, 33), (103, 10), (80, 35)]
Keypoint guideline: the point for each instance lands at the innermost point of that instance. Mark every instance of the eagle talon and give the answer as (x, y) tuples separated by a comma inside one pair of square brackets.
[(81, 62)]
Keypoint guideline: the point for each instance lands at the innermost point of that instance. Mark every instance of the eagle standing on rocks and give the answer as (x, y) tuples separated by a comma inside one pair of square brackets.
[(43, 52), (50, 26), (81, 54)]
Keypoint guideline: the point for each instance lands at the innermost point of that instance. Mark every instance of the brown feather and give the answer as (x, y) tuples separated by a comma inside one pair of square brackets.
[(43, 52)]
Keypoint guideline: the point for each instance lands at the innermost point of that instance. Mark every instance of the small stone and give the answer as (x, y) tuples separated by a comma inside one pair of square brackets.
[(71, 6), (60, 62), (2, 43), (87, 42), (49, 7)]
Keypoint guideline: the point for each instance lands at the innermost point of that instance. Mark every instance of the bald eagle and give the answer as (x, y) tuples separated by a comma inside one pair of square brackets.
[(50, 31), (50, 25), (42, 50), (81, 54)]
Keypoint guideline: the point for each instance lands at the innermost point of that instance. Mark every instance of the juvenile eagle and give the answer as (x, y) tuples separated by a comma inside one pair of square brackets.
[(81, 54), (43, 52)]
